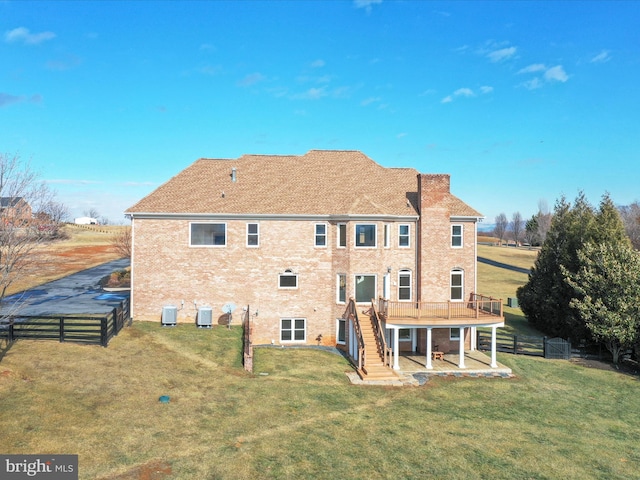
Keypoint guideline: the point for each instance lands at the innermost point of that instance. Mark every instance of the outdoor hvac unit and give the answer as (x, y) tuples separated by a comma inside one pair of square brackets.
[(204, 319), (169, 315)]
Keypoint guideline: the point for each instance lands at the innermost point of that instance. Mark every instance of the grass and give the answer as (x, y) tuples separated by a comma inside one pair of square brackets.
[(298, 416)]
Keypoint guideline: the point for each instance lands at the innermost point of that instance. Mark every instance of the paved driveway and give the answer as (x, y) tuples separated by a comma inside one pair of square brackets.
[(75, 294)]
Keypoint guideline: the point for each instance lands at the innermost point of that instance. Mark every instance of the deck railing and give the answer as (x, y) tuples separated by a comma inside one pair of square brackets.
[(352, 312), (478, 306), (385, 350)]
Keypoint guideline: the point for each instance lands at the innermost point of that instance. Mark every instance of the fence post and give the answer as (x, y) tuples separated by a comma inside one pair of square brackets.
[(103, 332), (116, 321), (515, 344), (61, 329), (544, 347), (10, 338)]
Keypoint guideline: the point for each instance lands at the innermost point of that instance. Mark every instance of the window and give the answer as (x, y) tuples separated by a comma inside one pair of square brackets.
[(456, 285), (253, 235), (293, 330), (341, 336), (403, 235), (321, 234), (208, 234), (288, 279), (404, 334), (454, 334), (365, 288), (342, 288), (365, 235), (404, 285), (456, 236), (387, 233), (342, 235)]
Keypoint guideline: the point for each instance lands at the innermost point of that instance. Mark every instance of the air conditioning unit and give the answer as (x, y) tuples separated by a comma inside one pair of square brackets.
[(205, 317), (169, 315)]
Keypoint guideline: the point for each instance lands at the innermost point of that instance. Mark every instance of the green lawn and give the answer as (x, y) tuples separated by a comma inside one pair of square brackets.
[(298, 416)]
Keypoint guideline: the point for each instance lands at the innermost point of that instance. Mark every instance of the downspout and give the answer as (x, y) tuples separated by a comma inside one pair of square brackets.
[(132, 276)]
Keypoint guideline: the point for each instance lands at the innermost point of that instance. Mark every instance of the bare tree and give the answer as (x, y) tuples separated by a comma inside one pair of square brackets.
[(516, 227), (91, 213), (631, 219), (21, 194), (121, 242), (501, 226), (543, 220)]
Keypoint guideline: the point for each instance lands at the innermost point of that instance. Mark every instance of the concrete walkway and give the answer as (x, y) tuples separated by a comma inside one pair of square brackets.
[(79, 293)]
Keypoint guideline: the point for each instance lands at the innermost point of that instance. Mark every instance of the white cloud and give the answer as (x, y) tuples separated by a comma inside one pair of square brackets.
[(447, 99), (311, 94), (535, 67), (8, 99), (318, 63), (251, 79), (602, 57), (486, 89), (549, 75), (401, 135), (502, 54), (463, 92), (369, 101), (366, 4), (22, 34), (556, 74)]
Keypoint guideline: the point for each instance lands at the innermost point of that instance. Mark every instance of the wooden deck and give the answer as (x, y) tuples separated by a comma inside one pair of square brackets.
[(478, 310)]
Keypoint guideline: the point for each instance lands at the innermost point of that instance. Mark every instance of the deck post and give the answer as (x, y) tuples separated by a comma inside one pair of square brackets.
[(428, 364), (473, 333), (396, 348), (494, 364), (461, 349)]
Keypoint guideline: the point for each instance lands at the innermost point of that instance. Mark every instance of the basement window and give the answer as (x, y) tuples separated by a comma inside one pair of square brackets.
[(288, 280)]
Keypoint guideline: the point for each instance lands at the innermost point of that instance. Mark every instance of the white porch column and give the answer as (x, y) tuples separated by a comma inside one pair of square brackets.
[(428, 364), (473, 332), (414, 340), (494, 364), (461, 349), (396, 348)]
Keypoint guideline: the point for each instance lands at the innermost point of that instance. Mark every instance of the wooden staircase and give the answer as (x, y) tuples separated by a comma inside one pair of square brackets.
[(373, 367)]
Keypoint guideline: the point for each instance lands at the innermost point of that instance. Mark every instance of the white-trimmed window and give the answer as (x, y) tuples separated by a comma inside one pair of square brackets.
[(454, 334), (404, 285), (456, 236), (253, 234), (457, 284), (341, 296), (342, 235), (293, 330), (321, 235), (208, 234), (365, 288), (341, 334), (404, 235), (387, 235), (366, 235), (404, 334), (288, 279)]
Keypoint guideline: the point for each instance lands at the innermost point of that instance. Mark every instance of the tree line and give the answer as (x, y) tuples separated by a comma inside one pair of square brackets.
[(585, 283)]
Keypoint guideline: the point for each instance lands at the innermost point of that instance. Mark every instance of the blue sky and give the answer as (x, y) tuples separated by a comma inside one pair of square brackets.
[(520, 102)]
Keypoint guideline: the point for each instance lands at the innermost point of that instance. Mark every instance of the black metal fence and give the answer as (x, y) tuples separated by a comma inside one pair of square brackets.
[(557, 348), (88, 329)]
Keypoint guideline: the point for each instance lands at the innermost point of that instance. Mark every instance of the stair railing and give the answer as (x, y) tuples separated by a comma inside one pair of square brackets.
[(351, 313), (381, 341)]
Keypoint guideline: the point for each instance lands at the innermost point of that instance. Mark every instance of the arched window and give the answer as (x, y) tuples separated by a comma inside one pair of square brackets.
[(404, 285), (457, 284)]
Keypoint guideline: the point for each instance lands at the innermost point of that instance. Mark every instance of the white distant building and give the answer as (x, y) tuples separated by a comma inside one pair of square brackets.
[(85, 221)]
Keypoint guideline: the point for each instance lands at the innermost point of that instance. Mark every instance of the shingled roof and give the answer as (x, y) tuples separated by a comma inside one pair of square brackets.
[(319, 182)]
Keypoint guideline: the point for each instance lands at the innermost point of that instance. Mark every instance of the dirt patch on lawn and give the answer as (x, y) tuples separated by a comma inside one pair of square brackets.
[(56, 259)]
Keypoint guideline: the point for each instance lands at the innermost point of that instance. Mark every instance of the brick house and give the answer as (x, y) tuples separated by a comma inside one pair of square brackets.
[(302, 240)]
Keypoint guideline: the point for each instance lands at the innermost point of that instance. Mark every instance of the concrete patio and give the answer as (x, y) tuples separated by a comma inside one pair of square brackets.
[(477, 363)]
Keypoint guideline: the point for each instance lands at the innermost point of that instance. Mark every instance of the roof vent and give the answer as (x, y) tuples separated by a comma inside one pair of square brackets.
[(233, 174)]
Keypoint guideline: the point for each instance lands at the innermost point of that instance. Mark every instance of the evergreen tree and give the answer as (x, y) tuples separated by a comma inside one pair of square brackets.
[(546, 298), (607, 294)]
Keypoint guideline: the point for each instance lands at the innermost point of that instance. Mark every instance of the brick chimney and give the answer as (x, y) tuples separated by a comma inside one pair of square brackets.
[(432, 187)]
